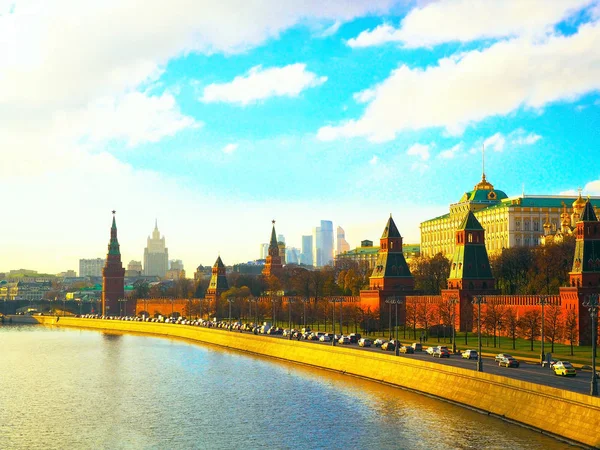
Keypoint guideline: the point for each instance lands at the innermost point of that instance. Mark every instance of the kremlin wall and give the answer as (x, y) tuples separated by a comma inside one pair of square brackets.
[(470, 277)]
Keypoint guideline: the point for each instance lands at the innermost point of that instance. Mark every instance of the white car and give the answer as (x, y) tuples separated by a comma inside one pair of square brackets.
[(325, 338), (431, 350), (344, 340), (469, 354)]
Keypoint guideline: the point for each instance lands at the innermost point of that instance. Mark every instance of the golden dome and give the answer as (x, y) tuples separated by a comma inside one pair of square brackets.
[(579, 203), (484, 185)]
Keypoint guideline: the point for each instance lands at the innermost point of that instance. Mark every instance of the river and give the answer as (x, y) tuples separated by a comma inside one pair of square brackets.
[(78, 389)]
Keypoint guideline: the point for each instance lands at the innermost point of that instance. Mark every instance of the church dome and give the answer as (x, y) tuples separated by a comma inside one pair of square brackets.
[(579, 203)]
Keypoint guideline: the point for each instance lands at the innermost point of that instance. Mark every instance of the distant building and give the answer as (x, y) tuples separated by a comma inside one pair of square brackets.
[(273, 264), (91, 267), (175, 274), (292, 255), (306, 257), (134, 269), (366, 254), (156, 255), (281, 238), (176, 264), (264, 251), (323, 244), (67, 274), (341, 245), (113, 278)]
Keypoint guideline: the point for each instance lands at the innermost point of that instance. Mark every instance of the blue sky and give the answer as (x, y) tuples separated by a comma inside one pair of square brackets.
[(215, 119)]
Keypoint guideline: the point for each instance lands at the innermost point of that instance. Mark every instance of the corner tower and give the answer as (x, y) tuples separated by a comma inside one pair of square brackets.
[(273, 264), (586, 262), (391, 272), (217, 285), (113, 277)]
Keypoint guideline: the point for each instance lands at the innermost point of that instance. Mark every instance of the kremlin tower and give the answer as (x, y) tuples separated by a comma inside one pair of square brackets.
[(113, 277), (273, 264)]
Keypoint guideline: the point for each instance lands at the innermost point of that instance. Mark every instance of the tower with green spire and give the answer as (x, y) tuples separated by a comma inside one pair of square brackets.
[(113, 278), (273, 264), (217, 285)]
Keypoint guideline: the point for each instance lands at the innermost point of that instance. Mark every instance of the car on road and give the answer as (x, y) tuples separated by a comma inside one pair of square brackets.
[(508, 361), (564, 368), (407, 349), (325, 338), (417, 346), (354, 337), (388, 346), (378, 342), (344, 340), (441, 352), (501, 356), (365, 342), (431, 350), (469, 354)]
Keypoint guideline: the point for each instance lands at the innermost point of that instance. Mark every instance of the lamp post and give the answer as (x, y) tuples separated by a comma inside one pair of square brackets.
[(453, 301), (230, 300), (592, 305), (290, 300), (64, 305), (395, 300), (334, 301), (305, 300), (542, 301), (478, 300)]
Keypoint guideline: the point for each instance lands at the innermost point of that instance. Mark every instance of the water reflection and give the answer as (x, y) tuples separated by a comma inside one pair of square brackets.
[(84, 389)]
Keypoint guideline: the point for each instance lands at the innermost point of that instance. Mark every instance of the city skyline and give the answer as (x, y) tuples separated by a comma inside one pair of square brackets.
[(349, 111)]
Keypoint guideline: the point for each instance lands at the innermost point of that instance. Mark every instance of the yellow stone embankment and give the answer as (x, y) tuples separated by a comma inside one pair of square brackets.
[(555, 411)]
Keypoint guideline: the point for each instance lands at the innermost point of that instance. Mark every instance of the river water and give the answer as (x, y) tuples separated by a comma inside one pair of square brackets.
[(72, 389)]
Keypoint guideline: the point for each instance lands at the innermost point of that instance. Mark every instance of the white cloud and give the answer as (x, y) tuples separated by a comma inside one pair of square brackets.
[(260, 84), (520, 137), (374, 160), (230, 148), (495, 142), (419, 150), (469, 20), (420, 167), (472, 86), (331, 30), (451, 152)]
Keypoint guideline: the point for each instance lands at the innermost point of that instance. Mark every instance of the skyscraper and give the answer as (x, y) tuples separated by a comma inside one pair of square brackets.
[(323, 244), (156, 255), (341, 245), (306, 256), (264, 251)]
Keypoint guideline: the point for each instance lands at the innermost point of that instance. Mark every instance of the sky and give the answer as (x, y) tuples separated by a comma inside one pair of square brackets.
[(215, 118)]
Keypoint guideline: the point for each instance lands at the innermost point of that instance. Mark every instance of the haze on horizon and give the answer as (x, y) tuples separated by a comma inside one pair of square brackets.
[(216, 119)]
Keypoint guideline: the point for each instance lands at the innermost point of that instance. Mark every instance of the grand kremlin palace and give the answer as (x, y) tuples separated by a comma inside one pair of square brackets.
[(522, 221)]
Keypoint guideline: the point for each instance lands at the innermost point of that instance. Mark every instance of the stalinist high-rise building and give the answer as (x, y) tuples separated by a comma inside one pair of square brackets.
[(156, 255)]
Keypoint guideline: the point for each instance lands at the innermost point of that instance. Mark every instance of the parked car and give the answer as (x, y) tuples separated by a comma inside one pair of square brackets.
[(388, 346), (354, 337), (378, 342), (469, 354), (564, 368), (431, 350), (344, 340), (509, 361), (407, 349), (501, 356), (442, 352), (365, 342), (325, 338), (417, 346)]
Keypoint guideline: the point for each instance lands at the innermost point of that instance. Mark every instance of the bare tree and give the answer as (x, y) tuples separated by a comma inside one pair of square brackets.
[(426, 315), (571, 328), (554, 326), (512, 325), (412, 316), (530, 325)]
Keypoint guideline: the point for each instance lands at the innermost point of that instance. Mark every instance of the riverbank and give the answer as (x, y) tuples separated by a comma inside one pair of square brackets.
[(554, 411)]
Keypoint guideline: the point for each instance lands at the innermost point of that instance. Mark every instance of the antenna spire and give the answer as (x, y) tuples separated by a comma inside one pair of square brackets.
[(483, 160)]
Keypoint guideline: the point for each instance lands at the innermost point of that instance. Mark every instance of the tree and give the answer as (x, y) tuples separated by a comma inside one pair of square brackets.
[(511, 269), (412, 316), (554, 326), (571, 328), (430, 274), (530, 324), (492, 317), (426, 315), (512, 325)]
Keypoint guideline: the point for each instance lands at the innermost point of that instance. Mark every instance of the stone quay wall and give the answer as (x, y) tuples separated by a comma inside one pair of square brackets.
[(555, 411)]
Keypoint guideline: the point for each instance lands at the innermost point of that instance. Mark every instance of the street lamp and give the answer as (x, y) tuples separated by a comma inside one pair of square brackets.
[(334, 301), (478, 300), (453, 301), (395, 300), (230, 300), (305, 300), (543, 301), (592, 305), (290, 301)]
